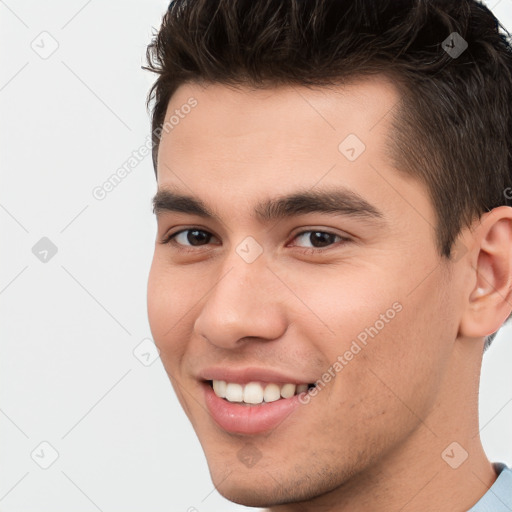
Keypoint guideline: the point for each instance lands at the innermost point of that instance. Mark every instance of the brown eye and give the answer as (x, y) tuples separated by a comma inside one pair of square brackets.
[(317, 239), (191, 237)]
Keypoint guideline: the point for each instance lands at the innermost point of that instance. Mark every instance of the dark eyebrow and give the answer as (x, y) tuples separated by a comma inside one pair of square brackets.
[(340, 201)]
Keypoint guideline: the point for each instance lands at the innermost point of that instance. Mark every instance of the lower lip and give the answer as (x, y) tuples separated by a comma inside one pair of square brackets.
[(248, 419)]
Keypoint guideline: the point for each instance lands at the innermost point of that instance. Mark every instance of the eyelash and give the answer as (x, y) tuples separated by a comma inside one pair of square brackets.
[(170, 240)]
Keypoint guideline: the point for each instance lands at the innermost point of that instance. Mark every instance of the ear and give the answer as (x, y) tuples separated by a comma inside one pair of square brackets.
[(490, 301)]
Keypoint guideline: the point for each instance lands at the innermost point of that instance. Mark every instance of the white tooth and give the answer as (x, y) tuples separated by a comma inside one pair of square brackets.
[(234, 392), (271, 393), (288, 390), (253, 393), (219, 386), (301, 388)]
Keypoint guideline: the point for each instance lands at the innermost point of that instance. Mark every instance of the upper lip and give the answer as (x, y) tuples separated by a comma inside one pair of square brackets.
[(250, 374)]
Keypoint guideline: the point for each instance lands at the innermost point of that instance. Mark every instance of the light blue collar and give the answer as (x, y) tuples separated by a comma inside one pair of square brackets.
[(499, 496)]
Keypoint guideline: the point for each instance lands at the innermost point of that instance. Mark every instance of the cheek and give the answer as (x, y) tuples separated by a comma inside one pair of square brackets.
[(347, 306), (166, 315), (400, 370), (168, 306), (159, 302), (383, 343)]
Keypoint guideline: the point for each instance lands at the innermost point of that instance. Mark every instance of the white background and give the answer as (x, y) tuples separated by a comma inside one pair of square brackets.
[(69, 326)]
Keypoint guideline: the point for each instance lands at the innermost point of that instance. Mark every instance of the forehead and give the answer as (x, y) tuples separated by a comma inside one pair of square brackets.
[(267, 129), (238, 145), (286, 116)]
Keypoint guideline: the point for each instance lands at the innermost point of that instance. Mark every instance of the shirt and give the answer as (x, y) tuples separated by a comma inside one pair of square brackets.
[(499, 496)]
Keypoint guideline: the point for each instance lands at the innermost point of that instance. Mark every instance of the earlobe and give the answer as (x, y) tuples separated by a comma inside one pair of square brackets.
[(490, 301)]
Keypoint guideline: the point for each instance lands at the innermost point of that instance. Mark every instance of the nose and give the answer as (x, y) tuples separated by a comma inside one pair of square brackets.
[(245, 302)]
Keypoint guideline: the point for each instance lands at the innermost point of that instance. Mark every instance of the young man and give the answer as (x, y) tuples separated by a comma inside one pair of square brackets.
[(334, 245)]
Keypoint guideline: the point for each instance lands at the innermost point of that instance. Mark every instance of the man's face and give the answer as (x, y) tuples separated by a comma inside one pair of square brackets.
[(295, 295)]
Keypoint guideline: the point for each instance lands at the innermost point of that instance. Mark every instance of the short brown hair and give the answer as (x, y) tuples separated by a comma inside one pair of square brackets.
[(452, 128)]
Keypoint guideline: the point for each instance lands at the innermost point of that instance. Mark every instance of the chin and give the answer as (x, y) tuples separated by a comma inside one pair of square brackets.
[(256, 493), (261, 489)]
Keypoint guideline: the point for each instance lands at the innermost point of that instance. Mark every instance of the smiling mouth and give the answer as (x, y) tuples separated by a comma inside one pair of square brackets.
[(256, 393)]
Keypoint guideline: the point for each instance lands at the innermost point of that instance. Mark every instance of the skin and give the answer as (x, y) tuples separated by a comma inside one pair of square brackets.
[(373, 438)]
